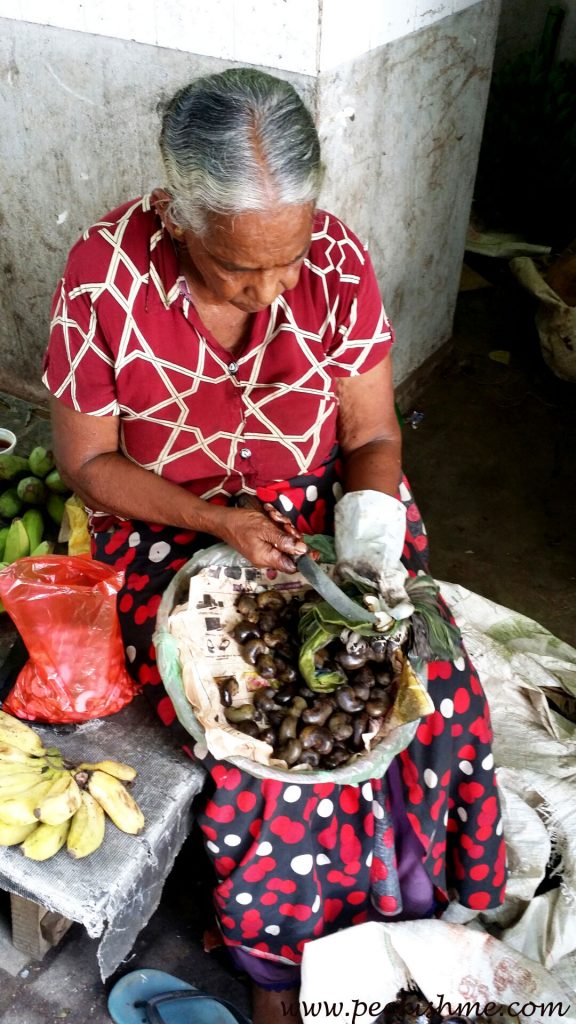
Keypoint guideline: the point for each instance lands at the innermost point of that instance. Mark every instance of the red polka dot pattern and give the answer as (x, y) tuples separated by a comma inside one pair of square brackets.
[(293, 867)]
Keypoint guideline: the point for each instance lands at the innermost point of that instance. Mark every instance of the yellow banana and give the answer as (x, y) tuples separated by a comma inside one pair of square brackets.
[(19, 809), (9, 752), (87, 828), (115, 799), (45, 841), (17, 733), (54, 757), (125, 772), (13, 835), (12, 785), (60, 802), (35, 766)]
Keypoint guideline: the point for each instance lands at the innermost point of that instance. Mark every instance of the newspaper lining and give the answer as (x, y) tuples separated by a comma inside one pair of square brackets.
[(208, 653)]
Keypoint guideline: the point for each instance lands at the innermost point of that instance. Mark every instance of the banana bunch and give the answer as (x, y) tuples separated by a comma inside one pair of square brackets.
[(47, 803)]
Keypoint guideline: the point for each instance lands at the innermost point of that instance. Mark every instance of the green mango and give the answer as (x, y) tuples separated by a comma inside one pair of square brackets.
[(31, 490), (10, 503), (12, 466), (55, 483), (41, 461)]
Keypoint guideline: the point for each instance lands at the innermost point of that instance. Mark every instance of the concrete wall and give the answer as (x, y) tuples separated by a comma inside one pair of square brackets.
[(401, 130), (400, 127), (306, 36)]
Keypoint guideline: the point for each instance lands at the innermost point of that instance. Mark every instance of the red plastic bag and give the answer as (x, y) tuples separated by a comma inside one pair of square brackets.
[(65, 611)]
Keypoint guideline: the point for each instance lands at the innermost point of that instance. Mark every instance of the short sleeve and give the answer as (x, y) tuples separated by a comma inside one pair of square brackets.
[(78, 364), (364, 335)]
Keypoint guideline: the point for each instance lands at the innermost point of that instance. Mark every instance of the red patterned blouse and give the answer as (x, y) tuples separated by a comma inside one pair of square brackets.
[(127, 341)]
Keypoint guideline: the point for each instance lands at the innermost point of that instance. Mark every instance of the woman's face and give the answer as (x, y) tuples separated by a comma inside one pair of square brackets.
[(248, 260)]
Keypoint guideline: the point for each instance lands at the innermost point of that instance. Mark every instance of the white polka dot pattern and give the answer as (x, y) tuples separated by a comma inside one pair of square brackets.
[(325, 808), (292, 794), (447, 708), (159, 551), (302, 864)]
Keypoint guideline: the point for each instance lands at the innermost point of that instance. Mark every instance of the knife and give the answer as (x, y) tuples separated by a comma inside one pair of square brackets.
[(311, 571), (332, 593)]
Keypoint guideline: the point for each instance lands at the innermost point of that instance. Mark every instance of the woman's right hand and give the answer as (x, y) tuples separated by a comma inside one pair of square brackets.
[(87, 455), (261, 541)]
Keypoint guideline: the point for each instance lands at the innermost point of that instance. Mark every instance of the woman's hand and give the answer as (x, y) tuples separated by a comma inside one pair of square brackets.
[(86, 449), (259, 539)]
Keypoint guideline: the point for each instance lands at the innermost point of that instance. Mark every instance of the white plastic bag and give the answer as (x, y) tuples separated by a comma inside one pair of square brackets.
[(459, 970), (369, 532)]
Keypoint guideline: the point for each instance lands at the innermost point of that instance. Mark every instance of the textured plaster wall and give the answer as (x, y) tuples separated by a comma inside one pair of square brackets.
[(80, 125), (401, 129), (306, 36)]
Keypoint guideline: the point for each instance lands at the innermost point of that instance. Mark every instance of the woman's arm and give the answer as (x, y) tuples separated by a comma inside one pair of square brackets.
[(368, 431), (86, 451)]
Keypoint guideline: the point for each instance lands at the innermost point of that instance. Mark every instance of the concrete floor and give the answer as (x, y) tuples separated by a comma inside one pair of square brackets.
[(492, 464), (492, 468)]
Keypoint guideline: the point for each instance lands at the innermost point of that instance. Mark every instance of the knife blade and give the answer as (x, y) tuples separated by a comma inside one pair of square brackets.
[(332, 593)]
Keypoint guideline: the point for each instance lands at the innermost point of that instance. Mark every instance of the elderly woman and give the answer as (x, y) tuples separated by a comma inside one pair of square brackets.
[(224, 336)]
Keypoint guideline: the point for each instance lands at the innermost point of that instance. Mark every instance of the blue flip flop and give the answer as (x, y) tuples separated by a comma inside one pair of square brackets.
[(154, 997)]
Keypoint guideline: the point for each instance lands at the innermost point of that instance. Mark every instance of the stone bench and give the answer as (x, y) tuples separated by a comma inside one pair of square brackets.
[(115, 890)]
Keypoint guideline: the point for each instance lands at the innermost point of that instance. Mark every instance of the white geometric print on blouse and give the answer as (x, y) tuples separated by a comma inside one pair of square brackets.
[(258, 395)]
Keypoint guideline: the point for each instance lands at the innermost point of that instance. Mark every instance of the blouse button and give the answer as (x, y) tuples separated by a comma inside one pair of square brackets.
[(245, 453), (233, 367)]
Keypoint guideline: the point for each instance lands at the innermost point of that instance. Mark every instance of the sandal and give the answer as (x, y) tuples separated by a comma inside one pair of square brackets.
[(154, 997)]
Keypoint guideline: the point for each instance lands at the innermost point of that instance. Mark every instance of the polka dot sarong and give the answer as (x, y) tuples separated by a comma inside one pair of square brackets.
[(294, 862)]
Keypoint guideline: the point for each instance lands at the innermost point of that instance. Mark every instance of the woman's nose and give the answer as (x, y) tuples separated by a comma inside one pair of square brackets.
[(266, 287), (271, 283)]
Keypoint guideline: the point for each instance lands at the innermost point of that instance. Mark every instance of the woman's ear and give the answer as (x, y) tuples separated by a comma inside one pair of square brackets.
[(160, 200)]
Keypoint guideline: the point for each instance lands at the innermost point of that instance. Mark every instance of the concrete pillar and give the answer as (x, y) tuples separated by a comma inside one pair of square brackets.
[(398, 89)]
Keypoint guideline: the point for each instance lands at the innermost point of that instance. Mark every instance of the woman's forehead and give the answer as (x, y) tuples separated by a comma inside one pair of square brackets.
[(255, 239)]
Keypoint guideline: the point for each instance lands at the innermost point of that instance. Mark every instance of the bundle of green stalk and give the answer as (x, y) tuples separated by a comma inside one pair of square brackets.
[(325, 685)]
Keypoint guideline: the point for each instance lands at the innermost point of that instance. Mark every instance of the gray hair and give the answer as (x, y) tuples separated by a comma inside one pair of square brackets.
[(237, 141)]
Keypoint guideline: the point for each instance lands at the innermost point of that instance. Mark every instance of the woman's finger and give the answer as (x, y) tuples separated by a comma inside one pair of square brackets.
[(262, 541), (279, 517)]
